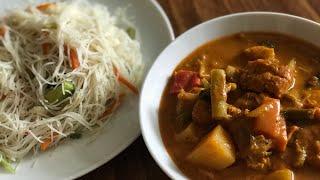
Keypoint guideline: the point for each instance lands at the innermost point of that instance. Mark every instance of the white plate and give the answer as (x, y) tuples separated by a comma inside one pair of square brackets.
[(186, 43), (73, 159)]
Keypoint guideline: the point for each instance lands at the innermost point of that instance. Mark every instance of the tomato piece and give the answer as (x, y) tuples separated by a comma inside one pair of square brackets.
[(184, 79)]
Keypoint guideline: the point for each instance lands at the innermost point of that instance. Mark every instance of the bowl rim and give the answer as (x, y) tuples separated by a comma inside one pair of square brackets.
[(167, 170)]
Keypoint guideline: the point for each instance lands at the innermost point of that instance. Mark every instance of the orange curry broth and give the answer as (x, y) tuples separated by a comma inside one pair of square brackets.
[(220, 53)]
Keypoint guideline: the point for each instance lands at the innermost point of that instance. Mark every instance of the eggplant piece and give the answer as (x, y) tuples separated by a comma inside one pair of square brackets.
[(294, 114)]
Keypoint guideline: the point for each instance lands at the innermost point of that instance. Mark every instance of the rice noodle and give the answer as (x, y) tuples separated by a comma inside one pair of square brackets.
[(27, 119)]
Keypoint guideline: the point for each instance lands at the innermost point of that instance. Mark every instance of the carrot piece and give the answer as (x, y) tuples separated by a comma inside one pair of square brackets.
[(124, 81), (46, 143), (269, 122), (2, 31), (44, 6), (115, 104), (74, 59), (281, 138), (73, 56), (46, 48), (128, 84)]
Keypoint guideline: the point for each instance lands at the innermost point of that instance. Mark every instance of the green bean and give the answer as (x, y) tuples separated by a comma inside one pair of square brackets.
[(219, 95), (61, 92)]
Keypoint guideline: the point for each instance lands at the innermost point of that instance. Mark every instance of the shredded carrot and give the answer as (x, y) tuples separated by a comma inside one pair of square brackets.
[(74, 59), (115, 104), (46, 48), (113, 107), (46, 143), (128, 84), (2, 31), (44, 6), (124, 81)]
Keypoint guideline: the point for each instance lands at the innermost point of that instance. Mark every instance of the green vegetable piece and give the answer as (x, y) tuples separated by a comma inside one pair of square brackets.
[(75, 135), (219, 104), (131, 32), (57, 94), (6, 164)]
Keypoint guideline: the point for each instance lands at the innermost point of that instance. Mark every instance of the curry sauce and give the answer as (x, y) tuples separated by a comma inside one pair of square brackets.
[(243, 99)]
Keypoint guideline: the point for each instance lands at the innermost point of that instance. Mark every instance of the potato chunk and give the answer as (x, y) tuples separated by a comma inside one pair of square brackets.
[(190, 134), (260, 52), (283, 174), (215, 151)]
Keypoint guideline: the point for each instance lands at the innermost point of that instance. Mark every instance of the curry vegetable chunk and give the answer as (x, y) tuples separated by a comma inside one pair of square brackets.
[(218, 94), (215, 151), (283, 174), (259, 52), (245, 106)]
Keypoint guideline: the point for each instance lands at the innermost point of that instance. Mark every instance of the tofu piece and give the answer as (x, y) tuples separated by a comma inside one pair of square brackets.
[(216, 151)]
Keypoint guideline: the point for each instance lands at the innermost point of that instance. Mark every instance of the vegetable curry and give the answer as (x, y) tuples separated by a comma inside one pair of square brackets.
[(245, 106)]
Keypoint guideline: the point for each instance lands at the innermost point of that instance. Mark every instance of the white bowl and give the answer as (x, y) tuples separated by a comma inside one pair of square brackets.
[(166, 62)]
